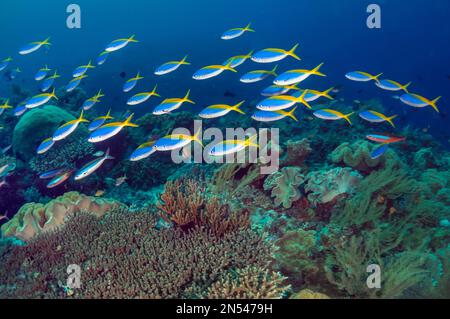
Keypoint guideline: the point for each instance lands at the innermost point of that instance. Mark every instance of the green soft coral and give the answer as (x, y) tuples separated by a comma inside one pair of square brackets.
[(284, 186)]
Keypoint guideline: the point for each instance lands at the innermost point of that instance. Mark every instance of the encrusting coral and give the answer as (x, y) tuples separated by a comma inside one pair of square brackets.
[(35, 218), (284, 185), (123, 255)]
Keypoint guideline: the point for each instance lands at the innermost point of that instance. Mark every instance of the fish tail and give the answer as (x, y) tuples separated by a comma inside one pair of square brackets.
[(132, 39), (347, 117), (229, 68), (302, 100), (274, 70), (327, 93), (376, 77), (46, 42), (237, 107), (249, 55), (107, 156), (292, 52), (389, 119), (291, 114), (433, 103), (315, 71), (154, 91), (138, 76), (248, 28), (405, 87), (108, 115), (184, 61), (196, 137), (186, 98), (128, 122), (53, 94), (251, 141), (81, 119)]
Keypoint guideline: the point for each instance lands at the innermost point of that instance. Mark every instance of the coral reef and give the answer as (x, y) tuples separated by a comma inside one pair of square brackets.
[(34, 219), (35, 126), (249, 283), (309, 294), (284, 186), (325, 186), (296, 152), (122, 255)]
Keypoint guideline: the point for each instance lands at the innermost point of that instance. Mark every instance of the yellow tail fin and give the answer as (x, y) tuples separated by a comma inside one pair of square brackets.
[(108, 115), (433, 103), (301, 99), (389, 120), (376, 77), (196, 138), (251, 141), (154, 91), (138, 76), (45, 42), (53, 94), (237, 107), (292, 52), (291, 114), (273, 72), (81, 119), (229, 68), (184, 61), (128, 122), (327, 93), (89, 65), (248, 28), (315, 71), (249, 55), (347, 117), (405, 87), (132, 39), (186, 98)]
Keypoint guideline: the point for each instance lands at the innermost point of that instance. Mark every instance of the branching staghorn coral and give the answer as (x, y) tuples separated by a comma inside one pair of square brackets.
[(249, 283), (122, 255), (185, 203)]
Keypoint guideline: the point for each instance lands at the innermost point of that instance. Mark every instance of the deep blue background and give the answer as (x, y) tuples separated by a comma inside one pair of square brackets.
[(413, 45)]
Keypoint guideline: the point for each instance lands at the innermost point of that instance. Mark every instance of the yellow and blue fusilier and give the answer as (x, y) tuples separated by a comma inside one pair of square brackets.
[(233, 146), (40, 99), (272, 116), (419, 101), (176, 141), (99, 121), (5, 106), (107, 131), (4, 64), (89, 103), (65, 130), (82, 69), (45, 146), (170, 105), (34, 46), (91, 167), (271, 55), (258, 75), (73, 84), (332, 115), (42, 73), (120, 44), (313, 95), (296, 76), (20, 109), (52, 173), (282, 102), (131, 83), (236, 32), (376, 117), (143, 151), (361, 76), (219, 110), (102, 57), (47, 83), (142, 97), (275, 90), (237, 60), (390, 85), (171, 66), (212, 71)]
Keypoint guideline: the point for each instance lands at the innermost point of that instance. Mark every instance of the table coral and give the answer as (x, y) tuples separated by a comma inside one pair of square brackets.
[(284, 185), (324, 186), (34, 219)]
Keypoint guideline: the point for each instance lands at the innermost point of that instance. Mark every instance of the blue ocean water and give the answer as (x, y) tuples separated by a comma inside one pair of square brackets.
[(412, 45)]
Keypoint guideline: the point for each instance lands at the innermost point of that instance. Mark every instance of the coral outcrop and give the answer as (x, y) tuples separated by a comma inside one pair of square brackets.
[(34, 219), (284, 185)]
